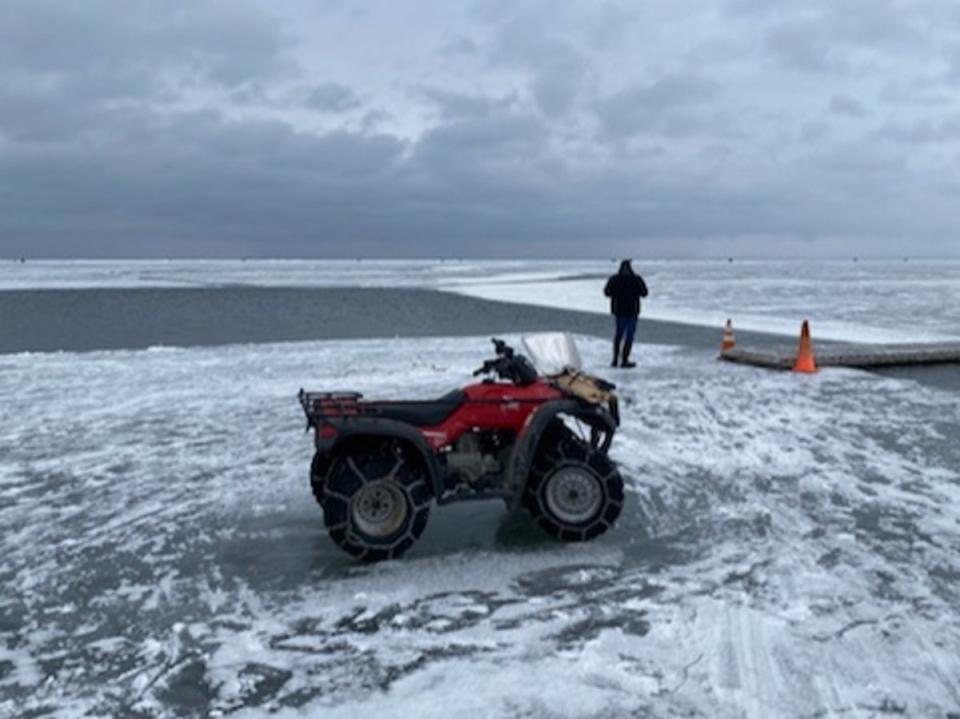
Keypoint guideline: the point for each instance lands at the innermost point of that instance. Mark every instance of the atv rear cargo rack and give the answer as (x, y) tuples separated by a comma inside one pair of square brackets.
[(317, 405)]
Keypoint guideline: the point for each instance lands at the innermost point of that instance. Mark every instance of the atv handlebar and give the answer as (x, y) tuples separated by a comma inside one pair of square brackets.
[(508, 365), (488, 366)]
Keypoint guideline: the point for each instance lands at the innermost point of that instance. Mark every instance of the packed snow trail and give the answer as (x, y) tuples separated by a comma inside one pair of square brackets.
[(789, 548)]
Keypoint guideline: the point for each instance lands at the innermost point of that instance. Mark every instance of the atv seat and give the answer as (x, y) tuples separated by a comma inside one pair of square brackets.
[(425, 413)]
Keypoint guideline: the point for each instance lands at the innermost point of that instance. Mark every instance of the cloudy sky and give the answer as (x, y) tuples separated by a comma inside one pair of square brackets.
[(490, 128)]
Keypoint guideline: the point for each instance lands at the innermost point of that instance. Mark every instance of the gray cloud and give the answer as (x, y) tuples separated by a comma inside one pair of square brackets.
[(332, 97), (671, 105), (941, 130), (113, 49), (459, 105), (846, 105), (824, 37), (242, 128), (557, 69)]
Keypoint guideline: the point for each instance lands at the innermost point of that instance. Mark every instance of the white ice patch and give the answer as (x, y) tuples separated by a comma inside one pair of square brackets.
[(789, 547), (882, 306)]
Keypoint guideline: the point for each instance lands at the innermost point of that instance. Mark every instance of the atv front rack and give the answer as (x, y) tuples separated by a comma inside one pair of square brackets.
[(590, 389)]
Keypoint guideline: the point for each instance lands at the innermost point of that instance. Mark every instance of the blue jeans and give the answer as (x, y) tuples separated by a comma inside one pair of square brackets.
[(626, 329)]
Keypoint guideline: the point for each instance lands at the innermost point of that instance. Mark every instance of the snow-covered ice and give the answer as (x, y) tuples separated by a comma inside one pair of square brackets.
[(790, 547), (86, 274), (879, 301)]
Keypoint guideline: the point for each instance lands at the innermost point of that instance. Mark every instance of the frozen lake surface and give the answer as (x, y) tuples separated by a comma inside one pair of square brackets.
[(790, 547), (106, 318), (884, 301)]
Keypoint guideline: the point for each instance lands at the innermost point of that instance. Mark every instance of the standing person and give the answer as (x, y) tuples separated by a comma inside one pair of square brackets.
[(625, 290)]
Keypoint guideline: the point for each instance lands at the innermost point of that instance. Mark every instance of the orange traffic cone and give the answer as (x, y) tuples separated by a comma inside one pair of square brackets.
[(729, 342), (805, 360)]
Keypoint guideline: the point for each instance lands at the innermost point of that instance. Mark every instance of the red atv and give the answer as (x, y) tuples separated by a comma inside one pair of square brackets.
[(531, 440)]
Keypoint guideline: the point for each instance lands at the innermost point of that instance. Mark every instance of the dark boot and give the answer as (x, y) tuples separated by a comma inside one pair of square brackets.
[(616, 352), (626, 363)]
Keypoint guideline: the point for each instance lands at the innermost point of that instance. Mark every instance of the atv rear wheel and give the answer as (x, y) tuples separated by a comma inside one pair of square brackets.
[(318, 475), (574, 492), (375, 501)]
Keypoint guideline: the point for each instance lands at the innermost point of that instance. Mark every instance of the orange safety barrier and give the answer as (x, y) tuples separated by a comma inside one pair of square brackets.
[(805, 359)]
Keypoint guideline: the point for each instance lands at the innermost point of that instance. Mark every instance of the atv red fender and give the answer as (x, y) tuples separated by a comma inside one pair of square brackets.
[(490, 405), (538, 423), (526, 439)]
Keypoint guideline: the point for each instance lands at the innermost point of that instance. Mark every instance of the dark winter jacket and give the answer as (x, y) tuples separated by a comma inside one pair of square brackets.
[(625, 290)]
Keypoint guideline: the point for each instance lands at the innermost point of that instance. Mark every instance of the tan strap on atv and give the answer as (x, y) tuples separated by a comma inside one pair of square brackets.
[(582, 385)]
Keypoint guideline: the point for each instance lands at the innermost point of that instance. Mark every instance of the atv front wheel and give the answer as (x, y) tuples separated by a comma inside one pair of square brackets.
[(574, 492), (375, 501)]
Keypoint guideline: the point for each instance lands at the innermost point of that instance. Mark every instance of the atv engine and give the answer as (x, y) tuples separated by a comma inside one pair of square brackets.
[(476, 457)]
